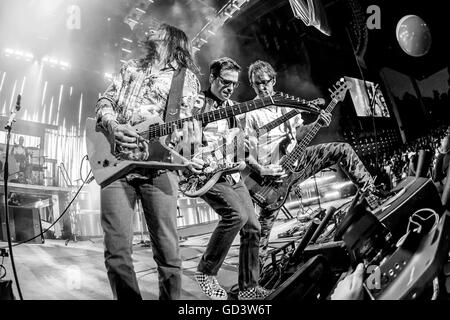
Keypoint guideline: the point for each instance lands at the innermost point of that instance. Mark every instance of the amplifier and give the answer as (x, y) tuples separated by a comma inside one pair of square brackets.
[(413, 194), (24, 224), (407, 273)]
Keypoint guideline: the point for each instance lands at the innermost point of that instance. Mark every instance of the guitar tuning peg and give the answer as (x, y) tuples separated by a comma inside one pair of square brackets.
[(298, 99), (331, 91)]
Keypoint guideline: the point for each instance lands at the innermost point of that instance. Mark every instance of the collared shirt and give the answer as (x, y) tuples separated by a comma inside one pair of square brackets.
[(267, 149), (219, 134), (139, 93)]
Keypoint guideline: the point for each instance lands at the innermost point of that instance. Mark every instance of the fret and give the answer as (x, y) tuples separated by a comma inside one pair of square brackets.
[(212, 116), (299, 148)]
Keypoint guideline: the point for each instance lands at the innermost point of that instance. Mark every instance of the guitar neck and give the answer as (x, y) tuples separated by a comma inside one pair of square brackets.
[(275, 123), (207, 117), (290, 159)]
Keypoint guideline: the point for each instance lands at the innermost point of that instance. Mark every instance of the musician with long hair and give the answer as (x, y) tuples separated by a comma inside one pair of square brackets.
[(140, 92)]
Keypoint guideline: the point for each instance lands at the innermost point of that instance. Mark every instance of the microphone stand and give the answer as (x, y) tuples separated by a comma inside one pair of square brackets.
[(8, 126)]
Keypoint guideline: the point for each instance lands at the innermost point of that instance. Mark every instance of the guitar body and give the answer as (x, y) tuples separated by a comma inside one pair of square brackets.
[(107, 166), (197, 185), (217, 163), (268, 192)]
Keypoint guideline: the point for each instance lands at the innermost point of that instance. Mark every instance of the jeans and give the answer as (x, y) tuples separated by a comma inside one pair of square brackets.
[(159, 201), (234, 205), (313, 160)]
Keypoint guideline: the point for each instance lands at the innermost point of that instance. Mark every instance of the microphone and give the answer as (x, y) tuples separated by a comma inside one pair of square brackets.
[(19, 97), (12, 117)]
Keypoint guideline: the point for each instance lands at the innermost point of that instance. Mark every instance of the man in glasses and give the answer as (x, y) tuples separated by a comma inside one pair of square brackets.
[(229, 197), (265, 160)]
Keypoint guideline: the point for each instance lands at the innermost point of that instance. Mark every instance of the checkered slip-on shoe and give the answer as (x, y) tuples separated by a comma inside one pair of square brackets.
[(210, 286), (256, 293)]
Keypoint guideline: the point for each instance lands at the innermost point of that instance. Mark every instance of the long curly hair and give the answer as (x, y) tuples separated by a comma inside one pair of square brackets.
[(178, 46)]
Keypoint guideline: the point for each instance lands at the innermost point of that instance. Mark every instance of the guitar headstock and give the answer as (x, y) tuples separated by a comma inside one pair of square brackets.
[(340, 89), (285, 100)]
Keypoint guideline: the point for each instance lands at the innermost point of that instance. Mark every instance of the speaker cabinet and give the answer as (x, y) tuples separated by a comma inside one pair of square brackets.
[(24, 222), (12, 230), (27, 223), (311, 281), (414, 194)]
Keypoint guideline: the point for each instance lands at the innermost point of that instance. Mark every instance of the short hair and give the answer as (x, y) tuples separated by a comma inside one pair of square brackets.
[(224, 63), (260, 66)]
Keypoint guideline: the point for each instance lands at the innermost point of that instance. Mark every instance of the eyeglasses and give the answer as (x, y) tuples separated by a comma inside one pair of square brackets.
[(228, 83), (262, 82)]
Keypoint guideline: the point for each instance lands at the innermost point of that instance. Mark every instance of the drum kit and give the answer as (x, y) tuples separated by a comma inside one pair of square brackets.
[(30, 173)]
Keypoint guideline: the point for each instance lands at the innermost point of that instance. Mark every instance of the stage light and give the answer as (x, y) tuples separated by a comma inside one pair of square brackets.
[(203, 40), (311, 181), (332, 194), (140, 10), (64, 65), (133, 21), (212, 33), (341, 185), (126, 50), (228, 15), (18, 54), (310, 199), (127, 40)]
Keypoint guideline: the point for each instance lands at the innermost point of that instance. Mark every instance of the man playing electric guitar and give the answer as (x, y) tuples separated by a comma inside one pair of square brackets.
[(140, 92), (229, 198), (262, 77)]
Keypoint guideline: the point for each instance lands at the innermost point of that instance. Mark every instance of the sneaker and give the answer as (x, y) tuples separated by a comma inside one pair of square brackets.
[(210, 286), (373, 200), (256, 293)]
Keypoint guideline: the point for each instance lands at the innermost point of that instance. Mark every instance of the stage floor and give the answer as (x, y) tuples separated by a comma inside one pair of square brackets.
[(76, 271)]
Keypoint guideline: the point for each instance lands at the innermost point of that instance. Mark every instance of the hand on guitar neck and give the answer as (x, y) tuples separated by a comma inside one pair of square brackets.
[(324, 118)]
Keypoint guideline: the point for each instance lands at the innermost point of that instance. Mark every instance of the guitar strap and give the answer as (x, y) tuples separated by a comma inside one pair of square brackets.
[(175, 95)]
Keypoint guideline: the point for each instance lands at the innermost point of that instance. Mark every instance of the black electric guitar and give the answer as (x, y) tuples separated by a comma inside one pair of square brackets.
[(271, 192), (108, 163)]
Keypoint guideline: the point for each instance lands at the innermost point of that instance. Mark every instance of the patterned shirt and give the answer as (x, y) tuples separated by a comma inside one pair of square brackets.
[(220, 137), (140, 93), (267, 148)]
